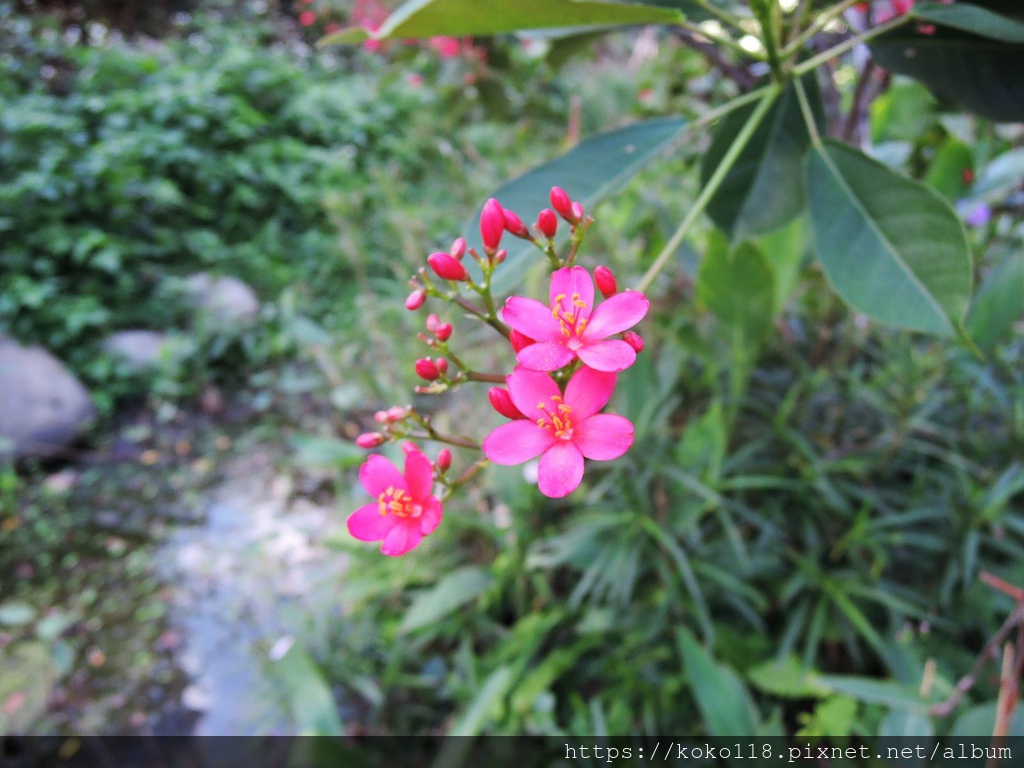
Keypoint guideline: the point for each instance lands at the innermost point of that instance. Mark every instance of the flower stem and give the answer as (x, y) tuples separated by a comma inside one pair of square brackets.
[(767, 98), (495, 378)]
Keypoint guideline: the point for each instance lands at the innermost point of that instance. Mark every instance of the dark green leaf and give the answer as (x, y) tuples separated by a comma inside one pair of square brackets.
[(765, 187), (972, 18), (892, 248), (949, 173), (724, 702), (427, 18)]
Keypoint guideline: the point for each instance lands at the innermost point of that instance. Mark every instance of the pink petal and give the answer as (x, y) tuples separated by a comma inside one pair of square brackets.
[(604, 436), (368, 524), (614, 315), (419, 473), (613, 355), (567, 281), (403, 537), (587, 392), (528, 388), (517, 442), (545, 356), (560, 471), (431, 516), (530, 317), (378, 474)]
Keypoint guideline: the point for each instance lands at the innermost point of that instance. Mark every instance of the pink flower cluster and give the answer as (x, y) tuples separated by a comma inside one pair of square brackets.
[(568, 352)]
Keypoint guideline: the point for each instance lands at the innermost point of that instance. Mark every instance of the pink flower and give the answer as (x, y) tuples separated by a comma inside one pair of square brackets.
[(568, 428), (405, 511), (572, 328), (446, 47), (307, 18)]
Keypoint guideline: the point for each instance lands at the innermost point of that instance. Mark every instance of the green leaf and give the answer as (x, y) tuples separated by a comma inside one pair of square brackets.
[(485, 706), (448, 595), (873, 691), (590, 172), (902, 113), (834, 717), (724, 702), (427, 18), (701, 450), (891, 247), (998, 304), (901, 723), (1000, 177), (950, 171), (785, 250), (314, 451), (787, 678), (737, 285), (765, 187), (980, 720), (973, 19), (309, 696), (979, 75)]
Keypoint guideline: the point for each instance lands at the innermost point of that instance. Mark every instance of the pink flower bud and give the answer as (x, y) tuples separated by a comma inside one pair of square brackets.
[(547, 223), (380, 417), (605, 282), (442, 365), (500, 256), (492, 224), (446, 267), (410, 447), (458, 249), (501, 401), (370, 440), (444, 459), (397, 412), (415, 300), (515, 225), (560, 202), (427, 369), (432, 322), (444, 331), (519, 340), (577, 211), (634, 340)]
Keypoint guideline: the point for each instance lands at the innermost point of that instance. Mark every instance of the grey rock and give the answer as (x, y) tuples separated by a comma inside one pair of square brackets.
[(43, 407), (223, 299), (139, 349)]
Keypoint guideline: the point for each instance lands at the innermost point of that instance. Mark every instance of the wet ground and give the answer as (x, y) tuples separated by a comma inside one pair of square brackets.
[(145, 588)]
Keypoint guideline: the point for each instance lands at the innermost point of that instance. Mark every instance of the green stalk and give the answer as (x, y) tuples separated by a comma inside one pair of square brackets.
[(767, 95), (852, 42), (815, 27)]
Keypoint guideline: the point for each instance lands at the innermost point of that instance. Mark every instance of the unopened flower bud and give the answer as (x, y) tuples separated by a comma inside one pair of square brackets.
[(501, 401), (515, 225), (415, 300), (432, 322), (444, 331), (444, 459), (577, 212), (442, 365), (560, 202), (500, 256), (446, 267), (458, 249), (519, 340), (547, 223), (634, 340), (397, 412), (380, 417), (427, 369), (370, 440), (492, 224), (410, 447), (605, 281)]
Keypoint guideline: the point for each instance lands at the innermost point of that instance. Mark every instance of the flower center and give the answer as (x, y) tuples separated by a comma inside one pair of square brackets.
[(556, 418), (395, 501), (570, 318)]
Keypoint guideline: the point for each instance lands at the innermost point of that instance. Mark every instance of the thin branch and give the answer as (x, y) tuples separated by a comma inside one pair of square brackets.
[(737, 73)]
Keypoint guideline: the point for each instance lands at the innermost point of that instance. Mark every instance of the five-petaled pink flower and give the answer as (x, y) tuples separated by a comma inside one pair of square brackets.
[(571, 327), (404, 511), (561, 429)]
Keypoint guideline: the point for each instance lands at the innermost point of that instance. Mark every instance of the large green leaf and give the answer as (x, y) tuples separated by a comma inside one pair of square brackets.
[(891, 247), (448, 595), (594, 169), (972, 18), (998, 304), (427, 18), (725, 704), (974, 73), (765, 187)]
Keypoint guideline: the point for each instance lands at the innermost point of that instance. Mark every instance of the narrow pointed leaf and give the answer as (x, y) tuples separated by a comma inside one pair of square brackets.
[(765, 188), (593, 170), (891, 247), (427, 18), (725, 703)]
